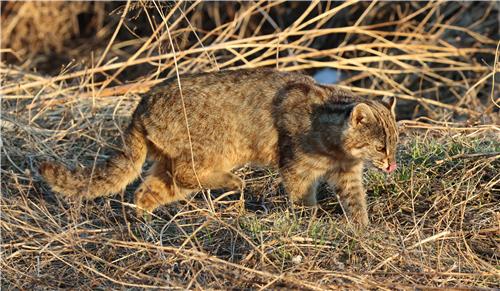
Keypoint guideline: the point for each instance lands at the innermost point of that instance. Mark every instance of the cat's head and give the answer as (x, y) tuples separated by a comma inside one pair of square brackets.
[(372, 133)]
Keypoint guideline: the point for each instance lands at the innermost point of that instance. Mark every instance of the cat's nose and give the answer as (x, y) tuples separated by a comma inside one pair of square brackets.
[(391, 167)]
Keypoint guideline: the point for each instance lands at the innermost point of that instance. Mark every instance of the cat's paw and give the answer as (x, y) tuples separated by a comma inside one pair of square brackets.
[(307, 200), (360, 219), (146, 202)]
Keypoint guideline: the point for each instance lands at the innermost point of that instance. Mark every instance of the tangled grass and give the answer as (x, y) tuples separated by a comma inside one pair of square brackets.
[(435, 223)]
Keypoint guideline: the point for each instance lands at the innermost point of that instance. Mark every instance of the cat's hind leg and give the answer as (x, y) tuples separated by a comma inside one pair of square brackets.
[(208, 178), (205, 177), (158, 188)]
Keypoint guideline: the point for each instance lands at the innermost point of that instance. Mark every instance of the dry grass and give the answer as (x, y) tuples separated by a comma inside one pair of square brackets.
[(435, 222)]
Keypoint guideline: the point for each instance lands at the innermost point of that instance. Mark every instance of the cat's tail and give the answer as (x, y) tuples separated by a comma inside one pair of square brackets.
[(105, 179)]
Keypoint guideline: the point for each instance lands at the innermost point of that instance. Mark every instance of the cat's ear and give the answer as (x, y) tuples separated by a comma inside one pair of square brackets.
[(361, 114), (390, 102)]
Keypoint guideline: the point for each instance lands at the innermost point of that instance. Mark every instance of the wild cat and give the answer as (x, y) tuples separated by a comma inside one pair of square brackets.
[(218, 121)]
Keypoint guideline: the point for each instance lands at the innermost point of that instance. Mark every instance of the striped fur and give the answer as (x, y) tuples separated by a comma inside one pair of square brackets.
[(309, 131), (106, 179)]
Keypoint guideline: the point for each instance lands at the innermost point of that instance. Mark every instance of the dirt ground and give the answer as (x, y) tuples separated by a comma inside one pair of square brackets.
[(72, 73)]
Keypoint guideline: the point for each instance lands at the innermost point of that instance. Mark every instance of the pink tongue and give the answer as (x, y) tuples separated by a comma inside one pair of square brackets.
[(391, 167)]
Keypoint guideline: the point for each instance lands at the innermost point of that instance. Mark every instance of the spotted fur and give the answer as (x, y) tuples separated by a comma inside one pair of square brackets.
[(310, 132)]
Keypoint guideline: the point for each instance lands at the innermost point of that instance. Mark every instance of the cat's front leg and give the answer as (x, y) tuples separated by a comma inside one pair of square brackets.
[(352, 195), (301, 186), (300, 177)]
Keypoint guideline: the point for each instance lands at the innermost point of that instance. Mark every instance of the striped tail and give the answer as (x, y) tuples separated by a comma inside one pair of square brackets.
[(106, 179)]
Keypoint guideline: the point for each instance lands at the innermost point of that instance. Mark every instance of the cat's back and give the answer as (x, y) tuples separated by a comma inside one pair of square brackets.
[(208, 99), (236, 88), (227, 110)]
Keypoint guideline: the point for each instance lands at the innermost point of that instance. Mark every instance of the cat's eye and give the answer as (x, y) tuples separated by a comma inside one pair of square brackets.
[(381, 149)]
